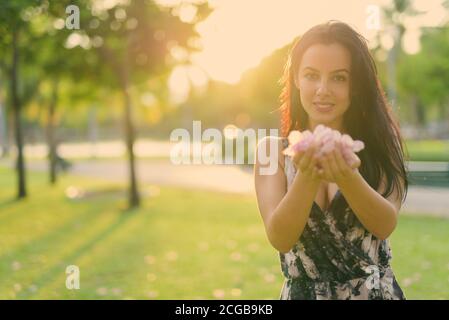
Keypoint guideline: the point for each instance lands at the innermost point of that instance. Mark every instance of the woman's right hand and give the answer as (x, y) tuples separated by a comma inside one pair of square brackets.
[(306, 162)]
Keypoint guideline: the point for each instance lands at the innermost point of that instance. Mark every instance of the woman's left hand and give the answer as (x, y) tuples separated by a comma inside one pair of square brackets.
[(334, 167)]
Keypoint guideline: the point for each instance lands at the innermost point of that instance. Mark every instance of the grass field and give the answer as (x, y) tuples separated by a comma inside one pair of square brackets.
[(428, 150), (181, 244)]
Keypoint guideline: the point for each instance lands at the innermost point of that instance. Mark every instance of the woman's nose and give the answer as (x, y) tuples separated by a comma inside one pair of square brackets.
[(323, 87)]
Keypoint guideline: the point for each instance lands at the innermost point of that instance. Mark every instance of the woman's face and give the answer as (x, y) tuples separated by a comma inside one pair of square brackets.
[(324, 84)]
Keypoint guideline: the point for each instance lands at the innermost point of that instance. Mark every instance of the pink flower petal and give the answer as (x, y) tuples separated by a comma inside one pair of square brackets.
[(358, 146), (294, 137), (302, 145), (347, 140), (328, 147), (319, 128), (326, 139), (307, 134)]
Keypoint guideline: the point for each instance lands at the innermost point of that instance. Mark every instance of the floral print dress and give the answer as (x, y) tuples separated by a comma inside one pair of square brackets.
[(336, 257)]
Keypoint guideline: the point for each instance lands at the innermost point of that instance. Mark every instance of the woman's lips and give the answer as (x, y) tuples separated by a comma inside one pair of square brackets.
[(323, 107)]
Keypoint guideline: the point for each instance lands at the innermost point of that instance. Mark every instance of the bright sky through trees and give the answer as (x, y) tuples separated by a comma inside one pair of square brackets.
[(240, 33)]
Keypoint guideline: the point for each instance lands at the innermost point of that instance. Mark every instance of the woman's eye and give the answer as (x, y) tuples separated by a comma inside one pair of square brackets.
[(340, 78), (311, 76)]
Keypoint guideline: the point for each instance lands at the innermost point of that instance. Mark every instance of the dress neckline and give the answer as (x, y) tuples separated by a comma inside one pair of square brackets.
[(314, 204), (331, 204)]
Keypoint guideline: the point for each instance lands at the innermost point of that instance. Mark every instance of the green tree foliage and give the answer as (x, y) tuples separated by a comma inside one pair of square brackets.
[(423, 77)]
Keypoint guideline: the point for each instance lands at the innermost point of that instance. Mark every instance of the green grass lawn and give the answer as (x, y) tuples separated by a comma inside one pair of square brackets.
[(181, 244), (428, 150)]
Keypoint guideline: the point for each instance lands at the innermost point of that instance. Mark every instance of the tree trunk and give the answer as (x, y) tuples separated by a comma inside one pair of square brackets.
[(134, 199), (391, 70), (442, 109), (16, 107), (420, 112), (3, 131), (51, 141), (122, 71), (93, 131)]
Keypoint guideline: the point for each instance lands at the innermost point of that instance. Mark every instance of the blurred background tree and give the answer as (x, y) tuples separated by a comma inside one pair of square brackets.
[(121, 37), (17, 48)]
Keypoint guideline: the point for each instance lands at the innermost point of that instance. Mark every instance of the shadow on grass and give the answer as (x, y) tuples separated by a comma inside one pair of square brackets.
[(6, 203), (7, 213), (59, 267), (111, 193), (60, 233)]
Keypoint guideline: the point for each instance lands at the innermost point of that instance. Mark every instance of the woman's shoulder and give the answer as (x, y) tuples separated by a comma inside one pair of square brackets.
[(272, 146), (279, 142), (269, 143)]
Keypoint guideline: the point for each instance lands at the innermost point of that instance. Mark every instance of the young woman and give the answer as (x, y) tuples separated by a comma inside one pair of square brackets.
[(330, 221)]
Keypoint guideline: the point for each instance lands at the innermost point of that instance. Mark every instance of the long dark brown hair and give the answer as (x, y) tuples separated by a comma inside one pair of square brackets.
[(369, 117)]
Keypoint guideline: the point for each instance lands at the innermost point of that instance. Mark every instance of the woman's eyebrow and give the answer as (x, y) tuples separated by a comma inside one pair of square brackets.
[(335, 71)]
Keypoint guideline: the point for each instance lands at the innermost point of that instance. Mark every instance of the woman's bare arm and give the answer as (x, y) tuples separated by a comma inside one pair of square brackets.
[(377, 214), (284, 213)]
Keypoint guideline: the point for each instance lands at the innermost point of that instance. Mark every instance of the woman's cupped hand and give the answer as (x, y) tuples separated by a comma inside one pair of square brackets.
[(324, 154)]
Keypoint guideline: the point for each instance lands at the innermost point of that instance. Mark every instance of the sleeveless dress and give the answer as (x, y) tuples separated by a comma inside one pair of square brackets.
[(336, 257)]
